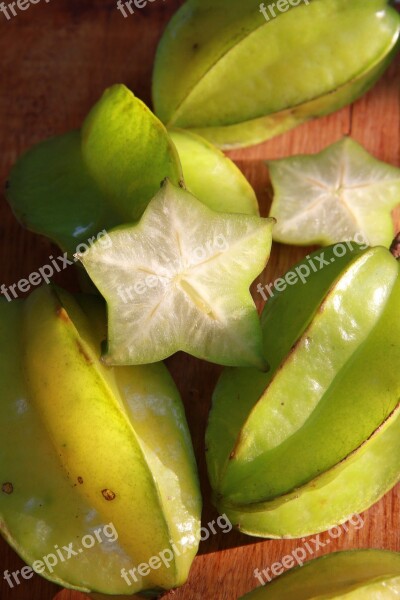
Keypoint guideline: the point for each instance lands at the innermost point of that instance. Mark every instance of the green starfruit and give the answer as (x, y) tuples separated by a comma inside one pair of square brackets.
[(354, 575), (71, 187), (316, 439), (227, 72)]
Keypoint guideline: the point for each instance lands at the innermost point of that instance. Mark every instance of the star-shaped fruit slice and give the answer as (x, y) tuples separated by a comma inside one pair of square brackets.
[(340, 194), (179, 280)]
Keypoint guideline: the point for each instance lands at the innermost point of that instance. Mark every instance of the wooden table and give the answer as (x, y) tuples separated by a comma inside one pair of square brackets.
[(56, 59)]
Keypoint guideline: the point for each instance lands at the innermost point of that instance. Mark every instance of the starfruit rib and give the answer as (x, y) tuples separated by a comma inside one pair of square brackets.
[(61, 403), (248, 386), (212, 107), (332, 574), (44, 509), (254, 131), (242, 38), (152, 402), (83, 201), (110, 134), (309, 431), (282, 423), (212, 177), (309, 509)]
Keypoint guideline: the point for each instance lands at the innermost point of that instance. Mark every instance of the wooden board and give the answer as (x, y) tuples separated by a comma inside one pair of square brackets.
[(55, 60)]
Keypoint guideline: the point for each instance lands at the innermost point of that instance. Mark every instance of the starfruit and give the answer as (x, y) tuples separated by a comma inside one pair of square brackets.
[(71, 187), (341, 193), (179, 280), (225, 71), (316, 439), (87, 449), (354, 575)]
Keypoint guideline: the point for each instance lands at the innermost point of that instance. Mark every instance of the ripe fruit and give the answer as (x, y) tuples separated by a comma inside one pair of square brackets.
[(76, 185), (179, 280), (341, 193), (84, 446), (355, 575), (212, 177), (225, 72), (315, 439)]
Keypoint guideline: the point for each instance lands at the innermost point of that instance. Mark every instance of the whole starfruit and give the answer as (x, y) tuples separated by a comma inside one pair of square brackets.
[(316, 439), (354, 575), (99, 490), (241, 72)]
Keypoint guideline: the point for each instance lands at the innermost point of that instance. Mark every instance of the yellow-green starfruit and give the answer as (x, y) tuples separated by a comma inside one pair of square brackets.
[(99, 490)]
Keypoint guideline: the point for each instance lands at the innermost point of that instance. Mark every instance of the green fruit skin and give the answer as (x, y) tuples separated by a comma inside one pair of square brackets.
[(291, 461), (72, 429), (212, 177), (224, 72), (74, 186), (359, 575), (127, 151), (260, 130)]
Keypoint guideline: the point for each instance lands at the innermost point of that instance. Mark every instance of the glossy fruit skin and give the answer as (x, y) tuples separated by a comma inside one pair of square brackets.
[(300, 441), (80, 448), (226, 73), (76, 185), (356, 575), (212, 177)]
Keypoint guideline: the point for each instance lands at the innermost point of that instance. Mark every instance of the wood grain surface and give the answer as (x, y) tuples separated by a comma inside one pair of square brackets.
[(56, 59)]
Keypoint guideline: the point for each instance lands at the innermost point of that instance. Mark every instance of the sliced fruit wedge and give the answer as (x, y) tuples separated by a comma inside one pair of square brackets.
[(223, 70), (179, 280), (72, 187), (342, 193), (316, 438), (355, 575), (63, 415)]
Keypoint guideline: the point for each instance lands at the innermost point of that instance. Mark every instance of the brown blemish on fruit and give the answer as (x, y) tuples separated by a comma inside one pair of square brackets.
[(84, 353), (80, 480), (395, 247), (62, 314), (108, 495), (7, 488)]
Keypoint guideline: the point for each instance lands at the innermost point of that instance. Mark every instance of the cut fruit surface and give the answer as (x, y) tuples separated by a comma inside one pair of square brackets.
[(342, 193), (179, 280)]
